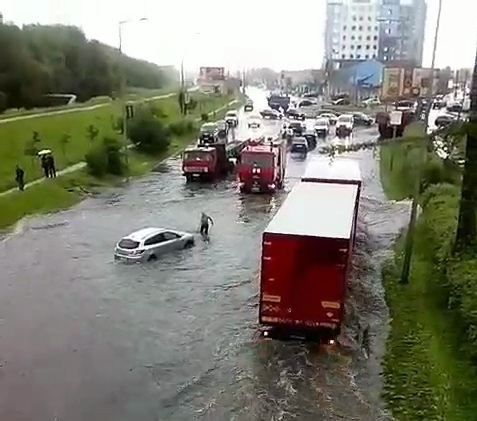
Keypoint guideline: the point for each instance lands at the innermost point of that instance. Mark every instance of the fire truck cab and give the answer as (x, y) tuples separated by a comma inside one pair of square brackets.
[(262, 166), (203, 162)]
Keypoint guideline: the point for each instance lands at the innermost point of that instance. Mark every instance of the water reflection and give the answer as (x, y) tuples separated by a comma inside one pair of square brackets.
[(249, 206)]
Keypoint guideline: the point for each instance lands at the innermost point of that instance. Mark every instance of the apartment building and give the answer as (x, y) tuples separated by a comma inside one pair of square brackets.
[(352, 30), (387, 30)]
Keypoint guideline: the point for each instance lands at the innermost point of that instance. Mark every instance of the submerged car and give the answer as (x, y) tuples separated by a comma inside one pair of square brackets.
[(151, 243), (209, 132), (362, 119), (254, 123), (333, 118), (248, 106), (295, 114), (322, 126), (231, 118), (298, 127), (444, 120), (299, 146), (271, 114), (344, 125)]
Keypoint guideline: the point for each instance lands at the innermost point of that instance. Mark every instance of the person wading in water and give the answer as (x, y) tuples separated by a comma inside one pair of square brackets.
[(204, 225)]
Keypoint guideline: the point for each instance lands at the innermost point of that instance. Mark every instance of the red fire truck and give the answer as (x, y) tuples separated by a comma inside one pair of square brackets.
[(306, 254), (262, 166)]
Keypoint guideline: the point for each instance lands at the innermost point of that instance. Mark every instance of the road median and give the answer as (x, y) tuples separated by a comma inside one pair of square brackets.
[(70, 188)]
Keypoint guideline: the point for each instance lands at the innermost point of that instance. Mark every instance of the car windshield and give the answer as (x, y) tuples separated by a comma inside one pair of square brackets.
[(209, 127), (261, 160), (129, 244), (197, 155), (345, 119)]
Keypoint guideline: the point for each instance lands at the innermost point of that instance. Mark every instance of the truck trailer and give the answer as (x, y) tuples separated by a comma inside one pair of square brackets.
[(306, 257)]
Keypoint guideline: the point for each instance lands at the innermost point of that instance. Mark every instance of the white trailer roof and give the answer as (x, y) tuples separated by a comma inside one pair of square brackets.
[(332, 169), (323, 210)]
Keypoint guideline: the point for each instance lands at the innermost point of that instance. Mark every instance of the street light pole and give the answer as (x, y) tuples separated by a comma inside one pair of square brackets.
[(417, 187), (122, 86)]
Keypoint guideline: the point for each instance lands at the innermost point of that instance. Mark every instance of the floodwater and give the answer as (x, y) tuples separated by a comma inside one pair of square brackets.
[(83, 337)]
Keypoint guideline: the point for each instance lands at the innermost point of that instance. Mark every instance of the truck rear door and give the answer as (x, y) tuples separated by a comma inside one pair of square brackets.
[(303, 281)]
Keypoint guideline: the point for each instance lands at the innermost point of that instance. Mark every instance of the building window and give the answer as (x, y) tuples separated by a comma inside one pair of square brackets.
[(360, 28), (368, 38), (368, 47), (366, 56), (353, 37), (353, 28), (358, 47), (351, 56), (343, 56), (344, 37), (375, 37), (360, 37), (386, 49), (344, 28), (358, 56), (344, 47), (376, 28), (360, 18), (388, 31), (354, 18), (369, 18), (385, 58), (374, 55), (370, 28), (351, 46), (375, 47)]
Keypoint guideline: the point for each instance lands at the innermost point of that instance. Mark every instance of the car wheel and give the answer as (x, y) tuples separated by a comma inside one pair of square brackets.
[(152, 258), (188, 244)]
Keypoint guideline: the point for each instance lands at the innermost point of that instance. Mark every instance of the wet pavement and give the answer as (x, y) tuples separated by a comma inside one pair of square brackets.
[(83, 337)]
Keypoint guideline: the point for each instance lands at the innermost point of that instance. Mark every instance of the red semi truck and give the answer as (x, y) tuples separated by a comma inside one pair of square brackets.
[(306, 254), (262, 166)]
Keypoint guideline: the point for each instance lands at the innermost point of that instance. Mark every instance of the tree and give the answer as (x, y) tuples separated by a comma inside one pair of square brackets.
[(148, 133), (64, 142), (106, 158)]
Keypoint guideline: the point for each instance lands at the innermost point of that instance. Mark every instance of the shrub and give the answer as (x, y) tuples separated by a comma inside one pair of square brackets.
[(106, 158), (148, 133), (182, 127), (204, 117)]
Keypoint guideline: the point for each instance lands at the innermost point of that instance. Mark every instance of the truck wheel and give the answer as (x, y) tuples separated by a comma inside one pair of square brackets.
[(188, 178)]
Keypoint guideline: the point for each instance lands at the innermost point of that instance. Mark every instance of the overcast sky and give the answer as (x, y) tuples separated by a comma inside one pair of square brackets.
[(237, 34)]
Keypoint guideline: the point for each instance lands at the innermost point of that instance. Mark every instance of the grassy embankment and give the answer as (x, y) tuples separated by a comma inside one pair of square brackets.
[(68, 190), (428, 370), (133, 94)]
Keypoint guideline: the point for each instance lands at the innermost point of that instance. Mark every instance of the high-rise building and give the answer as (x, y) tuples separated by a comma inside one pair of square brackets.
[(402, 29), (388, 30), (352, 30), (1, 18)]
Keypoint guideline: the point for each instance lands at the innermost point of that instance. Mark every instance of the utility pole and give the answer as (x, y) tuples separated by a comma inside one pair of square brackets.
[(417, 187), (466, 227), (122, 87)]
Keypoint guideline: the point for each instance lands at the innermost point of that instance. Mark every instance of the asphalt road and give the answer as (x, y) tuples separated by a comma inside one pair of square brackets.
[(86, 338)]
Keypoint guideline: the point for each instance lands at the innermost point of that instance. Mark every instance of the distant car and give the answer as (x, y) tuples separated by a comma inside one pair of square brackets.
[(254, 123), (455, 107), (297, 127), (322, 126), (299, 146), (332, 118), (231, 118), (444, 120), (151, 243), (310, 136), (248, 106), (306, 103), (342, 101), (362, 119), (294, 114), (271, 114), (222, 128), (209, 132), (437, 104), (344, 125), (371, 102), (405, 105)]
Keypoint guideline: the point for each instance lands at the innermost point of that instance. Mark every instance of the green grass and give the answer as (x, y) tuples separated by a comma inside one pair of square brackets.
[(427, 376), (399, 164), (68, 190), (16, 135)]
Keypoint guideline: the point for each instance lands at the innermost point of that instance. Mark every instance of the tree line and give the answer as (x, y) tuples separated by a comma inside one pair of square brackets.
[(43, 59)]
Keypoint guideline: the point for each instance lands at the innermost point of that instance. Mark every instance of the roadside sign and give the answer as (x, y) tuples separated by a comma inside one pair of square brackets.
[(395, 118)]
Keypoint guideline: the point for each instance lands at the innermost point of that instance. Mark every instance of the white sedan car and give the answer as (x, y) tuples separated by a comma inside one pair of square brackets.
[(254, 123), (150, 243)]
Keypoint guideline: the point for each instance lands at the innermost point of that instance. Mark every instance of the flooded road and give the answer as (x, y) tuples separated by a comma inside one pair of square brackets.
[(83, 337)]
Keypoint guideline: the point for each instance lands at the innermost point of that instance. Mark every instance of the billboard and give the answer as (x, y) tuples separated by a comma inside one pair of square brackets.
[(212, 73), (393, 82), (422, 79)]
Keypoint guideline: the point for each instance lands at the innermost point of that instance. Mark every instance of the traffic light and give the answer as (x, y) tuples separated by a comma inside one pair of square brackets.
[(129, 111)]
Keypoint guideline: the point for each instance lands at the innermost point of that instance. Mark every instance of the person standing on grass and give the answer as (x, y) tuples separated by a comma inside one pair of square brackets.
[(51, 166), (20, 177), (44, 166)]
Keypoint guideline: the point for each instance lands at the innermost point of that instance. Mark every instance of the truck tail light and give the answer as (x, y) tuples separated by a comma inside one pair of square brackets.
[(271, 186)]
